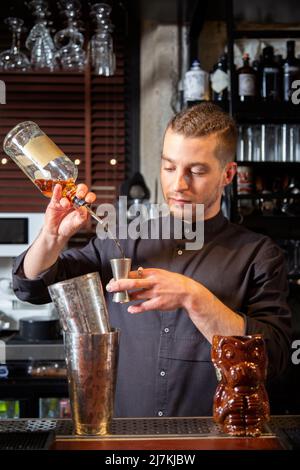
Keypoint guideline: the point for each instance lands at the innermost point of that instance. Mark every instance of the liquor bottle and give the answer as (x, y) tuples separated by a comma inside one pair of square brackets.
[(220, 80), (270, 76), (196, 84), (291, 70), (246, 81), (45, 164)]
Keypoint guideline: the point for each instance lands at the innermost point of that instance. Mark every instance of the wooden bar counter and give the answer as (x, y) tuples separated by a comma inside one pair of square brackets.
[(163, 443)]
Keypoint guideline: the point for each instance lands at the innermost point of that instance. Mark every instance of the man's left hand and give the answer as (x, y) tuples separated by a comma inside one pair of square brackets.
[(159, 289)]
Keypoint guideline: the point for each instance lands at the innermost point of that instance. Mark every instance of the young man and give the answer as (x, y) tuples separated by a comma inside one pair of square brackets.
[(234, 285)]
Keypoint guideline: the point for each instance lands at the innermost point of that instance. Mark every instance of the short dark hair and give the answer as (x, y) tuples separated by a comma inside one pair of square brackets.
[(205, 119)]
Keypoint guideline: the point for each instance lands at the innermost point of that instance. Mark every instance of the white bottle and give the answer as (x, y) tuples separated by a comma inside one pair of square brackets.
[(196, 83)]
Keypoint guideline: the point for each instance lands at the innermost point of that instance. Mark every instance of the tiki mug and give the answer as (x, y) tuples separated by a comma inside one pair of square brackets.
[(241, 404)]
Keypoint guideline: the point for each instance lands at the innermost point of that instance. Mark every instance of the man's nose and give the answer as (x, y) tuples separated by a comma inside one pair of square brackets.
[(181, 182)]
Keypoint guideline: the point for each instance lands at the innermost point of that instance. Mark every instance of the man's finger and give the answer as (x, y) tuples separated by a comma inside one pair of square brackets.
[(140, 273), (56, 194), (82, 191), (65, 203), (140, 295), (90, 198), (143, 307), (128, 284)]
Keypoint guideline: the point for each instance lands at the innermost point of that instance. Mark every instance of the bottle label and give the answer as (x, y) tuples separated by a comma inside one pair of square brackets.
[(246, 84), (219, 81), (271, 70), (40, 150), (195, 86), (244, 180)]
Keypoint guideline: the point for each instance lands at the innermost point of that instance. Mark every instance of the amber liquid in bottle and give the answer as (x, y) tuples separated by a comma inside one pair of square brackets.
[(47, 186), (69, 191)]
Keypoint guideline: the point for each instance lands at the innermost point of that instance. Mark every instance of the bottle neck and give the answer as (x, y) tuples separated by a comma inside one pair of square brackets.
[(246, 62), (290, 52)]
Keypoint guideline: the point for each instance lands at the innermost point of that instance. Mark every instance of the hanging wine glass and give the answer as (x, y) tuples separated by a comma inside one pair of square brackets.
[(102, 57), (39, 40), (69, 41), (13, 59)]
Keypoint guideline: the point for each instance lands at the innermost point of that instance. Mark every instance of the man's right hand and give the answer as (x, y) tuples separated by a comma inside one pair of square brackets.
[(62, 219)]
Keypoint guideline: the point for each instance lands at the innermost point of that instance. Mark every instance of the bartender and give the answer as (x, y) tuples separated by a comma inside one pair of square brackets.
[(235, 284)]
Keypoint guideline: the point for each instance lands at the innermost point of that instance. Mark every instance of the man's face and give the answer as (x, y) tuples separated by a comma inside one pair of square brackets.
[(192, 174)]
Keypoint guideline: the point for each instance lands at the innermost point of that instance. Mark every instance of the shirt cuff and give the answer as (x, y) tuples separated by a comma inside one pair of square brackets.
[(22, 285)]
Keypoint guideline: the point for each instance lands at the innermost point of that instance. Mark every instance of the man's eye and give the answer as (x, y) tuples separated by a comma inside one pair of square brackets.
[(197, 173), (169, 168)]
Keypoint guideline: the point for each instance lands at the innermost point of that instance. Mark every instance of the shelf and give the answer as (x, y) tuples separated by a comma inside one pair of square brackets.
[(268, 196), (267, 34), (267, 112), (294, 166), (294, 277)]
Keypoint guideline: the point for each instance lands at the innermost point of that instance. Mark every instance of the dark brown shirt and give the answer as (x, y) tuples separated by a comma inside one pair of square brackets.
[(165, 367)]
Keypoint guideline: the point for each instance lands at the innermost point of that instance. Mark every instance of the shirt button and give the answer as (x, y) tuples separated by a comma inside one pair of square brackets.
[(179, 252), (166, 330), (162, 373), (160, 413)]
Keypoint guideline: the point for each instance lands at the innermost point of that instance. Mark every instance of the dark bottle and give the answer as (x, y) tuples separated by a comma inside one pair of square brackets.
[(246, 80), (291, 70), (270, 76), (220, 80)]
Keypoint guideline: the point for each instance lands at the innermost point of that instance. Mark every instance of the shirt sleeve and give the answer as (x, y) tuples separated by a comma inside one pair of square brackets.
[(268, 312), (71, 263)]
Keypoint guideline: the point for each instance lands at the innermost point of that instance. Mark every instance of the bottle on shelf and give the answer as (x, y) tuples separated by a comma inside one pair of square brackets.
[(219, 80), (196, 84), (270, 72), (246, 81), (291, 70)]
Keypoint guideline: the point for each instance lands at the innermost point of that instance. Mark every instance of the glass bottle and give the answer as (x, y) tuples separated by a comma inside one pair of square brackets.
[(45, 164), (196, 84), (291, 70), (270, 76), (246, 80), (220, 80)]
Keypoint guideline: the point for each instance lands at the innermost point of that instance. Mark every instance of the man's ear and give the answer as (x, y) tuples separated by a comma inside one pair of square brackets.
[(229, 173)]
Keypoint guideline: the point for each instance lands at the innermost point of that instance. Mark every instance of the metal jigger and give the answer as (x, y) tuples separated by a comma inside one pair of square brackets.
[(120, 268)]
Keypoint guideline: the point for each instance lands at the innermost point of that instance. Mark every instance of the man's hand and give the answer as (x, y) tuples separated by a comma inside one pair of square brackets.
[(165, 290), (62, 219), (159, 289)]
